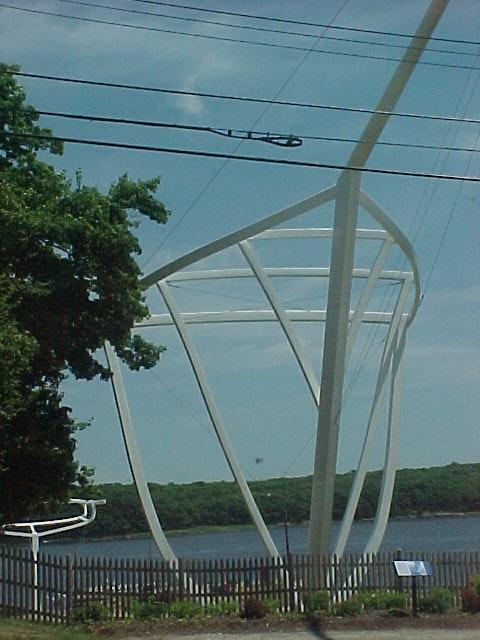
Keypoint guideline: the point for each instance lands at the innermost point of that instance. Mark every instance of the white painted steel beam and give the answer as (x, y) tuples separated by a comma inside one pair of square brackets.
[(343, 247), (339, 338), (346, 207), (362, 467), (133, 454), (294, 210), (390, 464), (397, 84), (314, 232), (216, 418), (255, 315), (387, 223), (366, 296), (280, 272), (333, 363), (283, 319)]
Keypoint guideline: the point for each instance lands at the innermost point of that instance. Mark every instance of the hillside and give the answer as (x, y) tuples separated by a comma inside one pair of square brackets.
[(454, 488)]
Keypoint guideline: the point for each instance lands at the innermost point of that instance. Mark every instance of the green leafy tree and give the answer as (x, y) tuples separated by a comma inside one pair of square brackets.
[(68, 282)]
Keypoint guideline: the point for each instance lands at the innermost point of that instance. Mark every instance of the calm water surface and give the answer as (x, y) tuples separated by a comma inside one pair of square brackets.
[(453, 533)]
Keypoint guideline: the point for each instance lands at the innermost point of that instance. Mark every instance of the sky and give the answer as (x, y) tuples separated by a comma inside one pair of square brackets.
[(266, 408)]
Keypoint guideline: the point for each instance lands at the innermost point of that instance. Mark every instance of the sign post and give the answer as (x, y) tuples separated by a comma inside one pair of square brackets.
[(412, 569)]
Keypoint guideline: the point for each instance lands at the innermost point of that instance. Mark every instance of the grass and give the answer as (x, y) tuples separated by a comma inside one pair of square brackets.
[(19, 630)]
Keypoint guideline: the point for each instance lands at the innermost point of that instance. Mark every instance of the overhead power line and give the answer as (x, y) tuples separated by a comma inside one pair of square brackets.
[(303, 22), (258, 118), (259, 159), (219, 96), (127, 25), (447, 228), (275, 138), (232, 25)]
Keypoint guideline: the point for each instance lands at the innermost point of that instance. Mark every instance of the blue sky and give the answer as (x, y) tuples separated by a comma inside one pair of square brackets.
[(266, 408)]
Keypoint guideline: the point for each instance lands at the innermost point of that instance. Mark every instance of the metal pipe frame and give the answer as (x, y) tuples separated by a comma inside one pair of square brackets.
[(388, 236), (340, 283), (391, 449), (282, 317), (255, 315), (88, 515), (216, 418), (362, 468), (15, 529), (133, 455), (341, 324)]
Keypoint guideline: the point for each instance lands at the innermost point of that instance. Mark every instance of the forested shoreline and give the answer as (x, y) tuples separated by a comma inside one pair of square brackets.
[(454, 488)]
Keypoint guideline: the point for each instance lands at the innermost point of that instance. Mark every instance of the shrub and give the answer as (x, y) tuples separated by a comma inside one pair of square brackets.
[(272, 605), (93, 612), (391, 600), (350, 607), (151, 608), (470, 600), (474, 584), (470, 595), (253, 609), (368, 599), (317, 601), (381, 600), (222, 609), (185, 610), (440, 600)]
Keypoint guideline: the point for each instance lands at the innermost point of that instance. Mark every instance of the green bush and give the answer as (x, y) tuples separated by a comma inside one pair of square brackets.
[(253, 609), (381, 600), (93, 612), (272, 605), (318, 601), (440, 600), (368, 599), (391, 600), (150, 609), (350, 607), (185, 610), (222, 609)]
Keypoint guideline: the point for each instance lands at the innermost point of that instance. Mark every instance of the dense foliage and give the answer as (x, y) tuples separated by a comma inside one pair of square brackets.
[(454, 488), (68, 282)]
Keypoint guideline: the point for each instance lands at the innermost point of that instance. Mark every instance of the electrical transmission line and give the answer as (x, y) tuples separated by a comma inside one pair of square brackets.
[(258, 159), (271, 137), (231, 25), (306, 24), (126, 25), (219, 96)]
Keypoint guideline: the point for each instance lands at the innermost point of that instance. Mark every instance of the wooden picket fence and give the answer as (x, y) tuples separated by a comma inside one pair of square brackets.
[(65, 583)]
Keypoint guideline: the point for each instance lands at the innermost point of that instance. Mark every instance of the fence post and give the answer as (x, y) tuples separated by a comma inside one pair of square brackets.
[(397, 581), (68, 589), (181, 580), (291, 582)]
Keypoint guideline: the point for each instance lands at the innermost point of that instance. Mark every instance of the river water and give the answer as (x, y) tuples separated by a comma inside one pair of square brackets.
[(452, 533)]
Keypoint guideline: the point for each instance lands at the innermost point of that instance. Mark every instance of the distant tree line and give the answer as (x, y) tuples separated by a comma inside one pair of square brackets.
[(454, 488)]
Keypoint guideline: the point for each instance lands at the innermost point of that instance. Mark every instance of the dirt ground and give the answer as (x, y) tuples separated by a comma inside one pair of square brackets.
[(400, 634), (435, 627)]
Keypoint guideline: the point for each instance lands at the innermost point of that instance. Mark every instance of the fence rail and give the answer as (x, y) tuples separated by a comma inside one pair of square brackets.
[(65, 583)]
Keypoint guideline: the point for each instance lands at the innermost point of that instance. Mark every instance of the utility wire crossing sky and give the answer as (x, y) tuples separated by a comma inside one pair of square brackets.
[(146, 99)]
